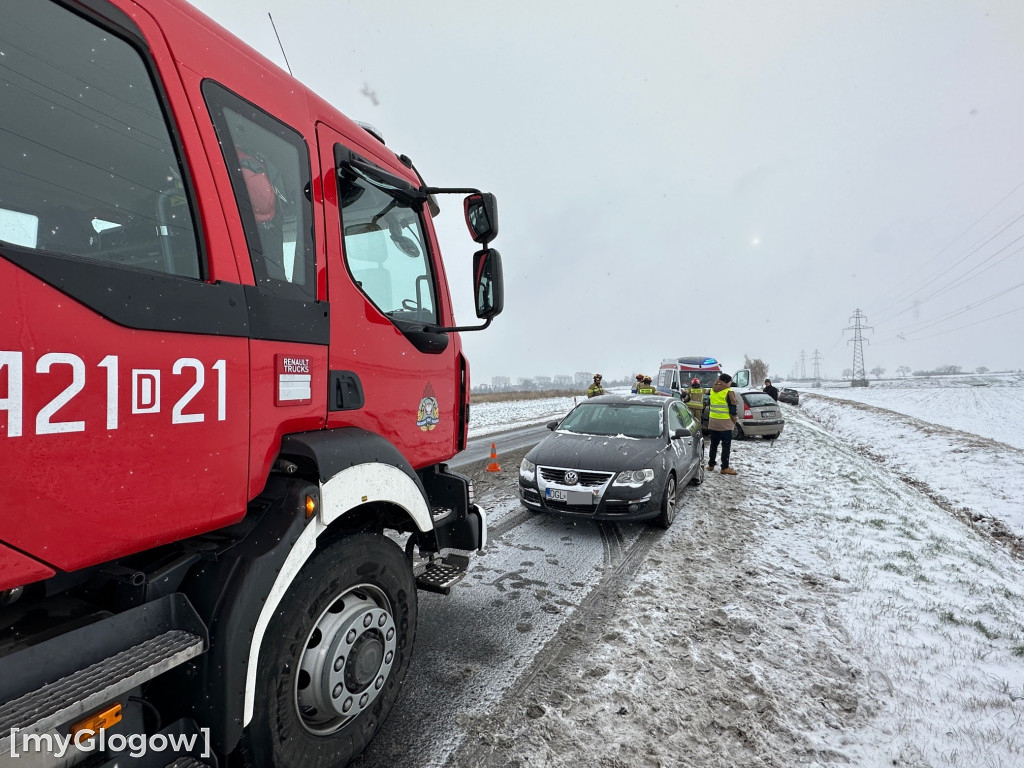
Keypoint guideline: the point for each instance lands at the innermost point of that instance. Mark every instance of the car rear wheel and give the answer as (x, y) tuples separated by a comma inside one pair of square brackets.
[(334, 656), (737, 433), (668, 505), (701, 472)]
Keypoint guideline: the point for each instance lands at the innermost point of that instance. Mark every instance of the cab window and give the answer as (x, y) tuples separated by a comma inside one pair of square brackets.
[(88, 168), (269, 166), (386, 251)]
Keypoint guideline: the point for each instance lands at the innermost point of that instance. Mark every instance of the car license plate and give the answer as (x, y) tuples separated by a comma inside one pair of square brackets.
[(766, 414), (569, 497)]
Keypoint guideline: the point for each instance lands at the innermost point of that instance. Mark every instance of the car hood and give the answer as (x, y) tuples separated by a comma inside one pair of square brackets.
[(598, 452)]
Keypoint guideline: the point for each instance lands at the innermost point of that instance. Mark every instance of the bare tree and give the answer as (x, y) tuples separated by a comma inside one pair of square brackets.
[(758, 369), (903, 370), (877, 371), (981, 369)]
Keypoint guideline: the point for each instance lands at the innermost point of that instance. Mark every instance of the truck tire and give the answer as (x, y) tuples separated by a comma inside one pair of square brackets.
[(334, 656), (668, 504)]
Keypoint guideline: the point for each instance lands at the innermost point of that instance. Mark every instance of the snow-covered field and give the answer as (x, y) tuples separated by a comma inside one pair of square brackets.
[(855, 596), (991, 406)]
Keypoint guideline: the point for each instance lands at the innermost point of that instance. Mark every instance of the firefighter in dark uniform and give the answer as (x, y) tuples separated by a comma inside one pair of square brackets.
[(694, 399), (595, 389), (646, 388)]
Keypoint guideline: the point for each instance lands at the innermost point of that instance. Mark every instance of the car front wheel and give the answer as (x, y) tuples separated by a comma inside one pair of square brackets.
[(334, 655), (668, 504)]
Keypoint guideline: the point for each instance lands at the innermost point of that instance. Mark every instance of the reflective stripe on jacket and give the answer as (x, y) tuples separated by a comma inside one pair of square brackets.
[(647, 390), (696, 398), (719, 404)]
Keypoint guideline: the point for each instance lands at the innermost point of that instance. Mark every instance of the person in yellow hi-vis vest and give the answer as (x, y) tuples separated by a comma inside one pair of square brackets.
[(694, 398), (723, 412), (647, 388), (595, 389)]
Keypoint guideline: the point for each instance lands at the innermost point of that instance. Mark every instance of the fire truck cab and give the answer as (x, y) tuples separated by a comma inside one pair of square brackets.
[(230, 378)]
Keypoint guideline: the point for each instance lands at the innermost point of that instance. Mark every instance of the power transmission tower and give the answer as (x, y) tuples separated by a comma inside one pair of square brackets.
[(803, 366), (817, 368), (860, 377)]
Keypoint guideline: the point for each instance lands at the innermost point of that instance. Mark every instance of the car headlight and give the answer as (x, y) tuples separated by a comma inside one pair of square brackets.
[(527, 470), (634, 477)]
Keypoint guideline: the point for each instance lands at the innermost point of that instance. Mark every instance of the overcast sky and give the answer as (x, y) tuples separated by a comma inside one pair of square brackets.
[(702, 178)]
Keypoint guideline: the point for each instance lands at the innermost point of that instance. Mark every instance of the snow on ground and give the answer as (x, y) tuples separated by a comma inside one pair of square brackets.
[(824, 607), (976, 466), (989, 405), (486, 418)]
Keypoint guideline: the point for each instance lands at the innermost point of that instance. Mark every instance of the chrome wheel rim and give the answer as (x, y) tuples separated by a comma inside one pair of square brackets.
[(346, 660), (670, 501)]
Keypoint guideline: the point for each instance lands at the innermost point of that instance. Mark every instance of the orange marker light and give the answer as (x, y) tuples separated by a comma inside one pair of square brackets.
[(108, 717), (310, 506)]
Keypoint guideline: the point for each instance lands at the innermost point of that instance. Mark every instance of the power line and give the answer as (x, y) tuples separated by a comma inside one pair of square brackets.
[(956, 312), (1016, 217), (959, 327)]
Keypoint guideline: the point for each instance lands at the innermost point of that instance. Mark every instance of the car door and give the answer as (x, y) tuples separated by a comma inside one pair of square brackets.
[(684, 450)]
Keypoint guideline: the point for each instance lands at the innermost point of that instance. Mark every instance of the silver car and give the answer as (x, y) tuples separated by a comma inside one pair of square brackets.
[(760, 415)]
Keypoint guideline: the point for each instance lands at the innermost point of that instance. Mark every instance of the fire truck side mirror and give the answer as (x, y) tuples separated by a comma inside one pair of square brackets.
[(489, 284), (482, 217)]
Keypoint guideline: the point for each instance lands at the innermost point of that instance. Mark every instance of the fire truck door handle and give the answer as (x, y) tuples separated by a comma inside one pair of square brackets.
[(346, 391)]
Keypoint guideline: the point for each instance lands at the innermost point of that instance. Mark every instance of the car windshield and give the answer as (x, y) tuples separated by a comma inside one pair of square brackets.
[(706, 378), (759, 398), (611, 419)]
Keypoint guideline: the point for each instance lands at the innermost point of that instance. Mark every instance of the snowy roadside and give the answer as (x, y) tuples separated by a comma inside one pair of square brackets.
[(967, 472), (815, 610)]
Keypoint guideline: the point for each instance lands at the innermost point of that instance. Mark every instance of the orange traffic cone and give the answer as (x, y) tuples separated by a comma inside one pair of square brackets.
[(493, 466)]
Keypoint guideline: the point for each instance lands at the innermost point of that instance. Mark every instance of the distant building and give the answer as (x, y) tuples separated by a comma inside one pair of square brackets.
[(563, 381), (501, 382), (583, 378), (543, 382)]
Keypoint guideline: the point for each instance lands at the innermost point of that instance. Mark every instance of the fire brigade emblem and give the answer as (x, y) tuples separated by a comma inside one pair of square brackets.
[(428, 414)]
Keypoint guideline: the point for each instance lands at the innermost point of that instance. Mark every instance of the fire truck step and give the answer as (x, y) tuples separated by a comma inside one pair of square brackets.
[(441, 575), (187, 762), (43, 686)]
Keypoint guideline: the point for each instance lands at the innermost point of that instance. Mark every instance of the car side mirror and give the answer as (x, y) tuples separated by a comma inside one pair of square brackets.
[(680, 432), (552, 425)]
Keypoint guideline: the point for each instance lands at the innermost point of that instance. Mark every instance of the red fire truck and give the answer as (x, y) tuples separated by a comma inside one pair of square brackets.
[(230, 378)]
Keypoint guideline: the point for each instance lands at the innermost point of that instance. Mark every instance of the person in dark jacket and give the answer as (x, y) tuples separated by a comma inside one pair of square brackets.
[(770, 389)]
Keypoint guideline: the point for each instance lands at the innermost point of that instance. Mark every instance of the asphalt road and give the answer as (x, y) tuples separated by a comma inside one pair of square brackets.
[(511, 441), (521, 602)]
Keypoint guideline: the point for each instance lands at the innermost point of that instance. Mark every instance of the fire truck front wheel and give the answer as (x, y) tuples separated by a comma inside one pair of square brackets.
[(334, 656)]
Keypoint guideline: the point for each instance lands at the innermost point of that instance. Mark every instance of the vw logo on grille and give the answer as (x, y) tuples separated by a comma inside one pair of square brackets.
[(571, 478)]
